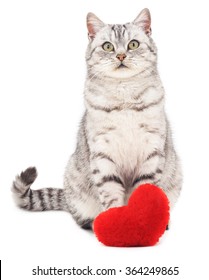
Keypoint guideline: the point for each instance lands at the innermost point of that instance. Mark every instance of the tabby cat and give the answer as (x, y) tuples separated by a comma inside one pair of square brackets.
[(124, 138)]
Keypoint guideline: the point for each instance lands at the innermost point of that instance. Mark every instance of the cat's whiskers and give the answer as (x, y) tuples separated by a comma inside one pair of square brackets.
[(98, 74)]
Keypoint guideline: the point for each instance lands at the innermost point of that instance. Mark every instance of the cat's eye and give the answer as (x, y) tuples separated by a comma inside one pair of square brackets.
[(108, 47), (134, 44)]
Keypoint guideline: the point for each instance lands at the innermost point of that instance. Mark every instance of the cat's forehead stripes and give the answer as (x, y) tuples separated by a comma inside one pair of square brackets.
[(118, 31)]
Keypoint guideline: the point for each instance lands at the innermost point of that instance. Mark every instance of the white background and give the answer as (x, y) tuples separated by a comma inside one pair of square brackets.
[(42, 50)]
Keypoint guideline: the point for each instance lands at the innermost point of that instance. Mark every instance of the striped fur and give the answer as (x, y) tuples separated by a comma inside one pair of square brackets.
[(36, 200), (124, 138)]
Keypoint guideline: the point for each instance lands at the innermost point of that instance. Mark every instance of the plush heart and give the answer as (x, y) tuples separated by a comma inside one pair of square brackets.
[(141, 223)]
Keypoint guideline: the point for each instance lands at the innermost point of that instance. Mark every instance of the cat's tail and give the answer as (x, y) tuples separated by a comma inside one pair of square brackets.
[(36, 200)]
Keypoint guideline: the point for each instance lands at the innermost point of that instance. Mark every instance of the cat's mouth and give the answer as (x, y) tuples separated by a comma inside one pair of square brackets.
[(122, 66)]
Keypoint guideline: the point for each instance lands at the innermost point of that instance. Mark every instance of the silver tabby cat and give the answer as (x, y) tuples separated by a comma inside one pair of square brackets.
[(124, 138)]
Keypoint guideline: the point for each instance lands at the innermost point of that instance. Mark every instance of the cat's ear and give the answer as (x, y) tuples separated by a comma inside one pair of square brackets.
[(143, 20), (94, 24)]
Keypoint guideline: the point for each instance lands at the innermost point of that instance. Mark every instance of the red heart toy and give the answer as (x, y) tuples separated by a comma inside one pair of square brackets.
[(141, 223)]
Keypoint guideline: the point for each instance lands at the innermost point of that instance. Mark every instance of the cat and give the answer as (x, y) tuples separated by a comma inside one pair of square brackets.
[(124, 139)]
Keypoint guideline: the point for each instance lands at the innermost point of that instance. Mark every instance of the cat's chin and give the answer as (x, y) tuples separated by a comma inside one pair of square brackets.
[(122, 72)]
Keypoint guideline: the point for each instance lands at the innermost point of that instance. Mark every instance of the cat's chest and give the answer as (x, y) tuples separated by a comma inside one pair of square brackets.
[(126, 136)]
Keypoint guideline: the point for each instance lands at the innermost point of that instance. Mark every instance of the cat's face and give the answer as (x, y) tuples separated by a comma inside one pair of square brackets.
[(120, 51)]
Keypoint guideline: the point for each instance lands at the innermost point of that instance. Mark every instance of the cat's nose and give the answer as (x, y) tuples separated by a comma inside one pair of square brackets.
[(121, 56)]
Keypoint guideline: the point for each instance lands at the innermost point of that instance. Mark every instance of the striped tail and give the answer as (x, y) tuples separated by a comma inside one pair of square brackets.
[(36, 200)]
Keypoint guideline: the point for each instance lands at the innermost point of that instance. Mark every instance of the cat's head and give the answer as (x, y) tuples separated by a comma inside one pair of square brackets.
[(120, 50)]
